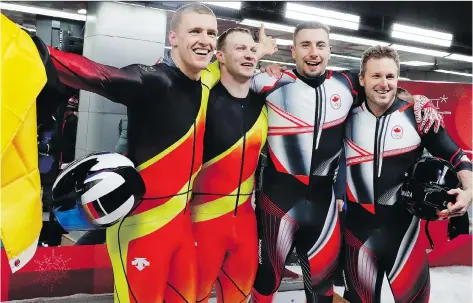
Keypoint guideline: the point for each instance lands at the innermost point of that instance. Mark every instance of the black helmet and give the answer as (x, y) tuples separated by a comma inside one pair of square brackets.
[(96, 191), (425, 188)]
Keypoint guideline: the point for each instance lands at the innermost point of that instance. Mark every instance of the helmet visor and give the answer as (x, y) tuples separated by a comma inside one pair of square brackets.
[(74, 219)]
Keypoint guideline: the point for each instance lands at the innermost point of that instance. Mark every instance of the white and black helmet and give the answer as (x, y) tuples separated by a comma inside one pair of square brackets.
[(96, 191)]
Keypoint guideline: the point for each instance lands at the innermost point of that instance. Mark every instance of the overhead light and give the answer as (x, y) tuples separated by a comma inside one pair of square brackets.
[(283, 42), (332, 18), (460, 57), (422, 39), (421, 35), (420, 31), (82, 11), (277, 62), (340, 38), (417, 50), (268, 25), (290, 29), (452, 72), (233, 5), (34, 10), (346, 57), (357, 40), (417, 63), (403, 78)]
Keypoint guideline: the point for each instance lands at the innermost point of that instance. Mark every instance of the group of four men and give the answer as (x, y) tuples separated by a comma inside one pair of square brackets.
[(196, 132)]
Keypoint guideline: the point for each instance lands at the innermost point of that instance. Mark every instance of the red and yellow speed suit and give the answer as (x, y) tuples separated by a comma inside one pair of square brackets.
[(152, 250), (224, 220)]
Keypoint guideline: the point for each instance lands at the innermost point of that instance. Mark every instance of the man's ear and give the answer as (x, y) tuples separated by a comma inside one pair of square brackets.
[(293, 52), (172, 38), (220, 57), (362, 82)]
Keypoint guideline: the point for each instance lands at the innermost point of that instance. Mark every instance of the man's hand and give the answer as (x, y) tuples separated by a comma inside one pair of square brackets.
[(266, 44), (426, 114), (340, 204), (273, 70), (461, 205)]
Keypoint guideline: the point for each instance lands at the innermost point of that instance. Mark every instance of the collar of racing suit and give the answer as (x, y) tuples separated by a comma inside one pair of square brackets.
[(224, 91), (397, 104), (167, 59), (314, 81)]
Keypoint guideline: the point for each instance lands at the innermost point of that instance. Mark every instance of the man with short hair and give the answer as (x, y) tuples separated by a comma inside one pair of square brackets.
[(381, 142), (224, 219), (307, 109), (155, 242)]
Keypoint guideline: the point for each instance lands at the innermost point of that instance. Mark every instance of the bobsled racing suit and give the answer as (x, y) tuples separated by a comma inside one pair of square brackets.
[(381, 235), (296, 208), (166, 113), (224, 219)]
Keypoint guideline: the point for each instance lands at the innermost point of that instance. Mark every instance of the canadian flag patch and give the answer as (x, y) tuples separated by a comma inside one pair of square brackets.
[(336, 101), (396, 132)]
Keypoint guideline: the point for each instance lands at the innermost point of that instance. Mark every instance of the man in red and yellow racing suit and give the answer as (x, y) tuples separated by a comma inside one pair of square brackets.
[(224, 220), (166, 106)]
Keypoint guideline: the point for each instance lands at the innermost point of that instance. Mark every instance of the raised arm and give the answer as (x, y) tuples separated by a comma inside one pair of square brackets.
[(264, 84), (266, 44), (116, 84)]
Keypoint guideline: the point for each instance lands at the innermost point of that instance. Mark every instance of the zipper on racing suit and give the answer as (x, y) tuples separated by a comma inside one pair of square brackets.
[(242, 131)]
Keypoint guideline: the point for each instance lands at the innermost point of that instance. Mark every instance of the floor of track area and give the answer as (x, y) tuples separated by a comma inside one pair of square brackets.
[(448, 285)]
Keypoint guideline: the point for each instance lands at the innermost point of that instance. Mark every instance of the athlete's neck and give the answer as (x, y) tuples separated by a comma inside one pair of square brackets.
[(311, 81), (236, 87), (188, 71), (378, 110)]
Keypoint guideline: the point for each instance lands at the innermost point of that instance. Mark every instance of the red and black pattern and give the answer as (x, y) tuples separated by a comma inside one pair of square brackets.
[(310, 226), (378, 247), (306, 121)]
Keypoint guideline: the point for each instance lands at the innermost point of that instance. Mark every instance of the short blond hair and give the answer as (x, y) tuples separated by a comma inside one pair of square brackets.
[(379, 52), (197, 8)]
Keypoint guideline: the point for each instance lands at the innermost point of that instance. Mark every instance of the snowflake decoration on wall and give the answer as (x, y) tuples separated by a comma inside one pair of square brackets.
[(52, 270)]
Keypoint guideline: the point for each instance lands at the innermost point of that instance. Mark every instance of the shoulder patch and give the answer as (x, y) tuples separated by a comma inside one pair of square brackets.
[(146, 68)]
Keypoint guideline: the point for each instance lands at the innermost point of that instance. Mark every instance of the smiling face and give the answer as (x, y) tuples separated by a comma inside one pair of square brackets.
[(194, 40), (238, 55), (380, 82), (379, 73), (311, 50)]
